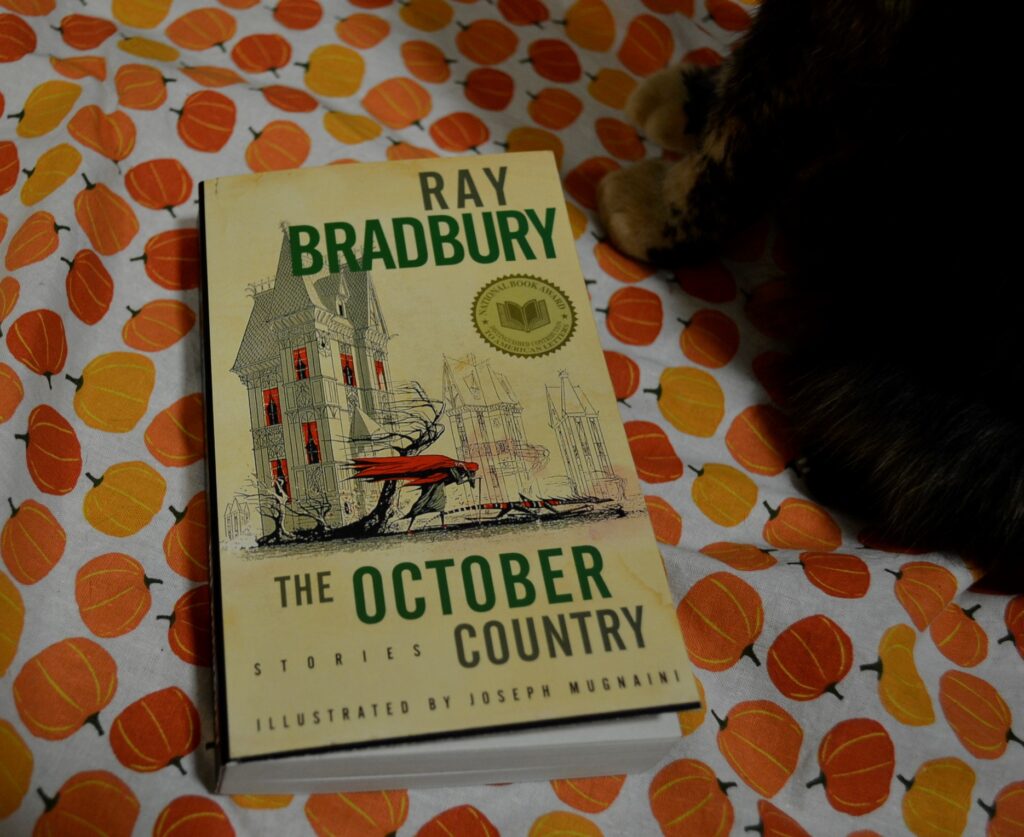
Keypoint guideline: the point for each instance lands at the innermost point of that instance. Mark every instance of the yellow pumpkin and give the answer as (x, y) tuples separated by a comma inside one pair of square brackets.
[(691, 400), (12, 620), (900, 688), (725, 494), (113, 391), (124, 500)]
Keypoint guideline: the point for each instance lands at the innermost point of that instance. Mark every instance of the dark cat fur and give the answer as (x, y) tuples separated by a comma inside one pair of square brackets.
[(880, 153)]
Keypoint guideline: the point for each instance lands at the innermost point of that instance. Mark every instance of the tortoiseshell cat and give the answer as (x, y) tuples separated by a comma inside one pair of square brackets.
[(863, 127)]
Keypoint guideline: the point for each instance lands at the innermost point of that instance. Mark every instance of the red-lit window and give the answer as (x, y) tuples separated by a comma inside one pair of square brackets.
[(301, 363), (311, 442), (272, 406), (279, 478), (348, 370), (382, 381)]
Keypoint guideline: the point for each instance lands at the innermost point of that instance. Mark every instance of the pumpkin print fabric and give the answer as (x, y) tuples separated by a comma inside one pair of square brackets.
[(849, 686)]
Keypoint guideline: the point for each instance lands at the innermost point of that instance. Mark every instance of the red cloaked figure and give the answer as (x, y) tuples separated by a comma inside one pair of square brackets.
[(430, 472)]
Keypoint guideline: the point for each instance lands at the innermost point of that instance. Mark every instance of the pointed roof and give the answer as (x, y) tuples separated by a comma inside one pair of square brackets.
[(476, 384), (257, 345), (362, 426), (571, 400)]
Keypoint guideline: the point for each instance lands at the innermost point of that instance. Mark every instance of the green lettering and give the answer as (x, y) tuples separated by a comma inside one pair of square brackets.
[(375, 246), (546, 229), (471, 242), (377, 583), (551, 575), (586, 573), (440, 568), (401, 605), (439, 239), (486, 584), (516, 580), (344, 246), (510, 235), (308, 249), (419, 239)]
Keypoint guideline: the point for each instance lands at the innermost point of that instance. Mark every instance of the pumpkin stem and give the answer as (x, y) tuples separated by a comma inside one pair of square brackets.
[(168, 80), (819, 781), (988, 809), (141, 258), (969, 612), (49, 379), (88, 183), (625, 403), (721, 722), (875, 666), (831, 688), (300, 64), (461, 25), (561, 23), (725, 785), (749, 652), (178, 516), (28, 172), (57, 28), (177, 763), (907, 783), (69, 262), (254, 132), (794, 563), (531, 95), (170, 618), (134, 311), (897, 573), (698, 471), (22, 436), (14, 508), (95, 482), (759, 828), (591, 76), (76, 381), (1010, 736), (59, 227), (94, 719), (273, 72), (151, 581), (19, 116), (475, 150), (656, 392), (681, 320), (171, 210), (601, 310), (1007, 638), (174, 110), (220, 46), (51, 802), (772, 513)]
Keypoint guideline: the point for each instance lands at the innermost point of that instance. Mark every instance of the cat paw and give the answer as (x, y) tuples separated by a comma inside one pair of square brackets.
[(656, 109), (633, 208)]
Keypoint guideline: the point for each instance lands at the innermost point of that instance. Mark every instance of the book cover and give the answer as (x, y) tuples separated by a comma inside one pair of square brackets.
[(426, 517)]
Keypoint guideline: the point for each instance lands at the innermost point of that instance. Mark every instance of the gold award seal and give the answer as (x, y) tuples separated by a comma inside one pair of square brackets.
[(523, 315)]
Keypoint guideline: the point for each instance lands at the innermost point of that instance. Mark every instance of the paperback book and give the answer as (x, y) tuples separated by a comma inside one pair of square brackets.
[(432, 562)]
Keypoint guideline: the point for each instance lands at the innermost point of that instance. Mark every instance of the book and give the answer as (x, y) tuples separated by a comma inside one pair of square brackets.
[(431, 556)]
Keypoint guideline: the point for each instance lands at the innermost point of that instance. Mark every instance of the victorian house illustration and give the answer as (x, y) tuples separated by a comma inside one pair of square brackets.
[(314, 359), (580, 439), (484, 418)]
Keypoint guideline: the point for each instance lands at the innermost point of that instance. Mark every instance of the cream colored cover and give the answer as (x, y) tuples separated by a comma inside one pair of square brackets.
[(429, 520)]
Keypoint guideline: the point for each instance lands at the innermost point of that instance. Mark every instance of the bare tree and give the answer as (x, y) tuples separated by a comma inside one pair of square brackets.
[(314, 507), (270, 500)]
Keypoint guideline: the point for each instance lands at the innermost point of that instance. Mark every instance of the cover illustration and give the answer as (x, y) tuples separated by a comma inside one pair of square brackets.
[(426, 513)]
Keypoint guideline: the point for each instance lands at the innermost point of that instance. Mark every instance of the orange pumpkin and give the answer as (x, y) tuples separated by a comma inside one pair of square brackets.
[(157, 325), (1014, 618), (112, 591), (64, 687), (280, 145), (760, 440), (124, 500), (690, 399), (140, 87), (776, 823), (177, 436), (647, 47), (12, 621), (105, 217), (839, 575), (555, 60), (582, 181), (368, 814), (11, 392), (488, 88), (298, 14), (728, 15), (261, 53), (186, 544), (809, 658), (590, 24), (32, 541), (554, 108), (52, 451), (591, 795), (37, 340), (625, 375), (193, 816), (90, 802), (801, 524), (527, 138), (857, 762), (958, 637), (459, 132), (112, 136), (721, 617), (405, 151), (85, 31), (618, 266), (81, 66), (486, 42), (156, 731), (687, 798), (977, 714), (172, 259), (924, 589), (769, 369), (17, 39), (523, 12), (740, 556), (938, 798), (206, 121), (703, 57), (188, 629), (723, 494), (16, 764), (289, 99), (35, 239), (426, 61), (711, 282), (619, 138), (159, 184), (761, 742), (1006, 812), (112, 393), (611, 87), (653, 454), (362, 31), (202, 28), (89, 287), (634, 316), (10, 290), (397, 102), (463, 819)]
